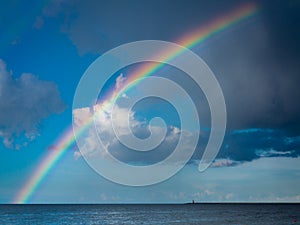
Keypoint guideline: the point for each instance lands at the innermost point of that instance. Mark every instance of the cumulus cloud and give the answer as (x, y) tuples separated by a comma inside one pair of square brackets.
[(239, 145), (24, 102), (90, 146), (127, 126)]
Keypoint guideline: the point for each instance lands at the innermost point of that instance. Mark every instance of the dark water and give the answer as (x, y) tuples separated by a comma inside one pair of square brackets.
[(151, 214)]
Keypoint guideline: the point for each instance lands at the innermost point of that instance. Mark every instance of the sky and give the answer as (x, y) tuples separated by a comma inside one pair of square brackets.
[(45, 49)]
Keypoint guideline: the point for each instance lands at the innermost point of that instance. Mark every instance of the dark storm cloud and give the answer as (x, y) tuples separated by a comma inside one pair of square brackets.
[(282, 20), (256, 63), (239, 146), (97, 26), (246, 145), (24, 102), (259, 60), (251, 144), (258, 69)]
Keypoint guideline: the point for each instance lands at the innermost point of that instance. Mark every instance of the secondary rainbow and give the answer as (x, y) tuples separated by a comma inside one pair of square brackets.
[(191, 40)]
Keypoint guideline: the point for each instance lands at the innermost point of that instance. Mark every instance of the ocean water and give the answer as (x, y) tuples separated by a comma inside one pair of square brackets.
[(151, 214)]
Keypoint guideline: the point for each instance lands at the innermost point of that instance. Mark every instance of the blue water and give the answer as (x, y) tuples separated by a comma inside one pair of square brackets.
[(151, 214)]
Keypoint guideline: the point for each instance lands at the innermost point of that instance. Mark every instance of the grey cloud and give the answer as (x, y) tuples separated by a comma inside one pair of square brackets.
[(260, 88), (24, 103), (256, 64), (96, 26), (260, 83), (149, 157), (247, 145)]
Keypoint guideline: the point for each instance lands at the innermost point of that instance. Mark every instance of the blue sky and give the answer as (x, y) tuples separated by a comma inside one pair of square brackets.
[(46, 47)]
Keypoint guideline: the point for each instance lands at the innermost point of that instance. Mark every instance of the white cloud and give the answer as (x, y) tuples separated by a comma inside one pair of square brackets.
[(272, 152), (89, 144), (120, 81), (223, 162), (24, 103)]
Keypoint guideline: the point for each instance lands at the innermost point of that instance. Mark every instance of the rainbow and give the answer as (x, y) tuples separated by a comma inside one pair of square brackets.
[(41, 171), (190, 40)]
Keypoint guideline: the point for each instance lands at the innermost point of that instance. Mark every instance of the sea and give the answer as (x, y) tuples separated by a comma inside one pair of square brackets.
[(151, 214)]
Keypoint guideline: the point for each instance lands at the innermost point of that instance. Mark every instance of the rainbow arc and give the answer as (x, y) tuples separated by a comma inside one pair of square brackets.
[(67, 139)]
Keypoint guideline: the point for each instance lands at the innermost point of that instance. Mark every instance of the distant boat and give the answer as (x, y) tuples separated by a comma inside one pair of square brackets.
[(191, 203)]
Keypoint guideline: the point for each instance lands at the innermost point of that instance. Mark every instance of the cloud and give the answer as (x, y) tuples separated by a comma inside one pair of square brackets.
[(90, 146), (259, 84), (167, 24), (55, 9), (239, 145), (24, 103), (120, 82), (256, 64), (223, 163), (272, 152), (258, 59), (249, 144), (103, 115)]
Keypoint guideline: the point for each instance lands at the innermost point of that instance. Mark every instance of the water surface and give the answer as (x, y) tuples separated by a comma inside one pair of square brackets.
[(152, 214)]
